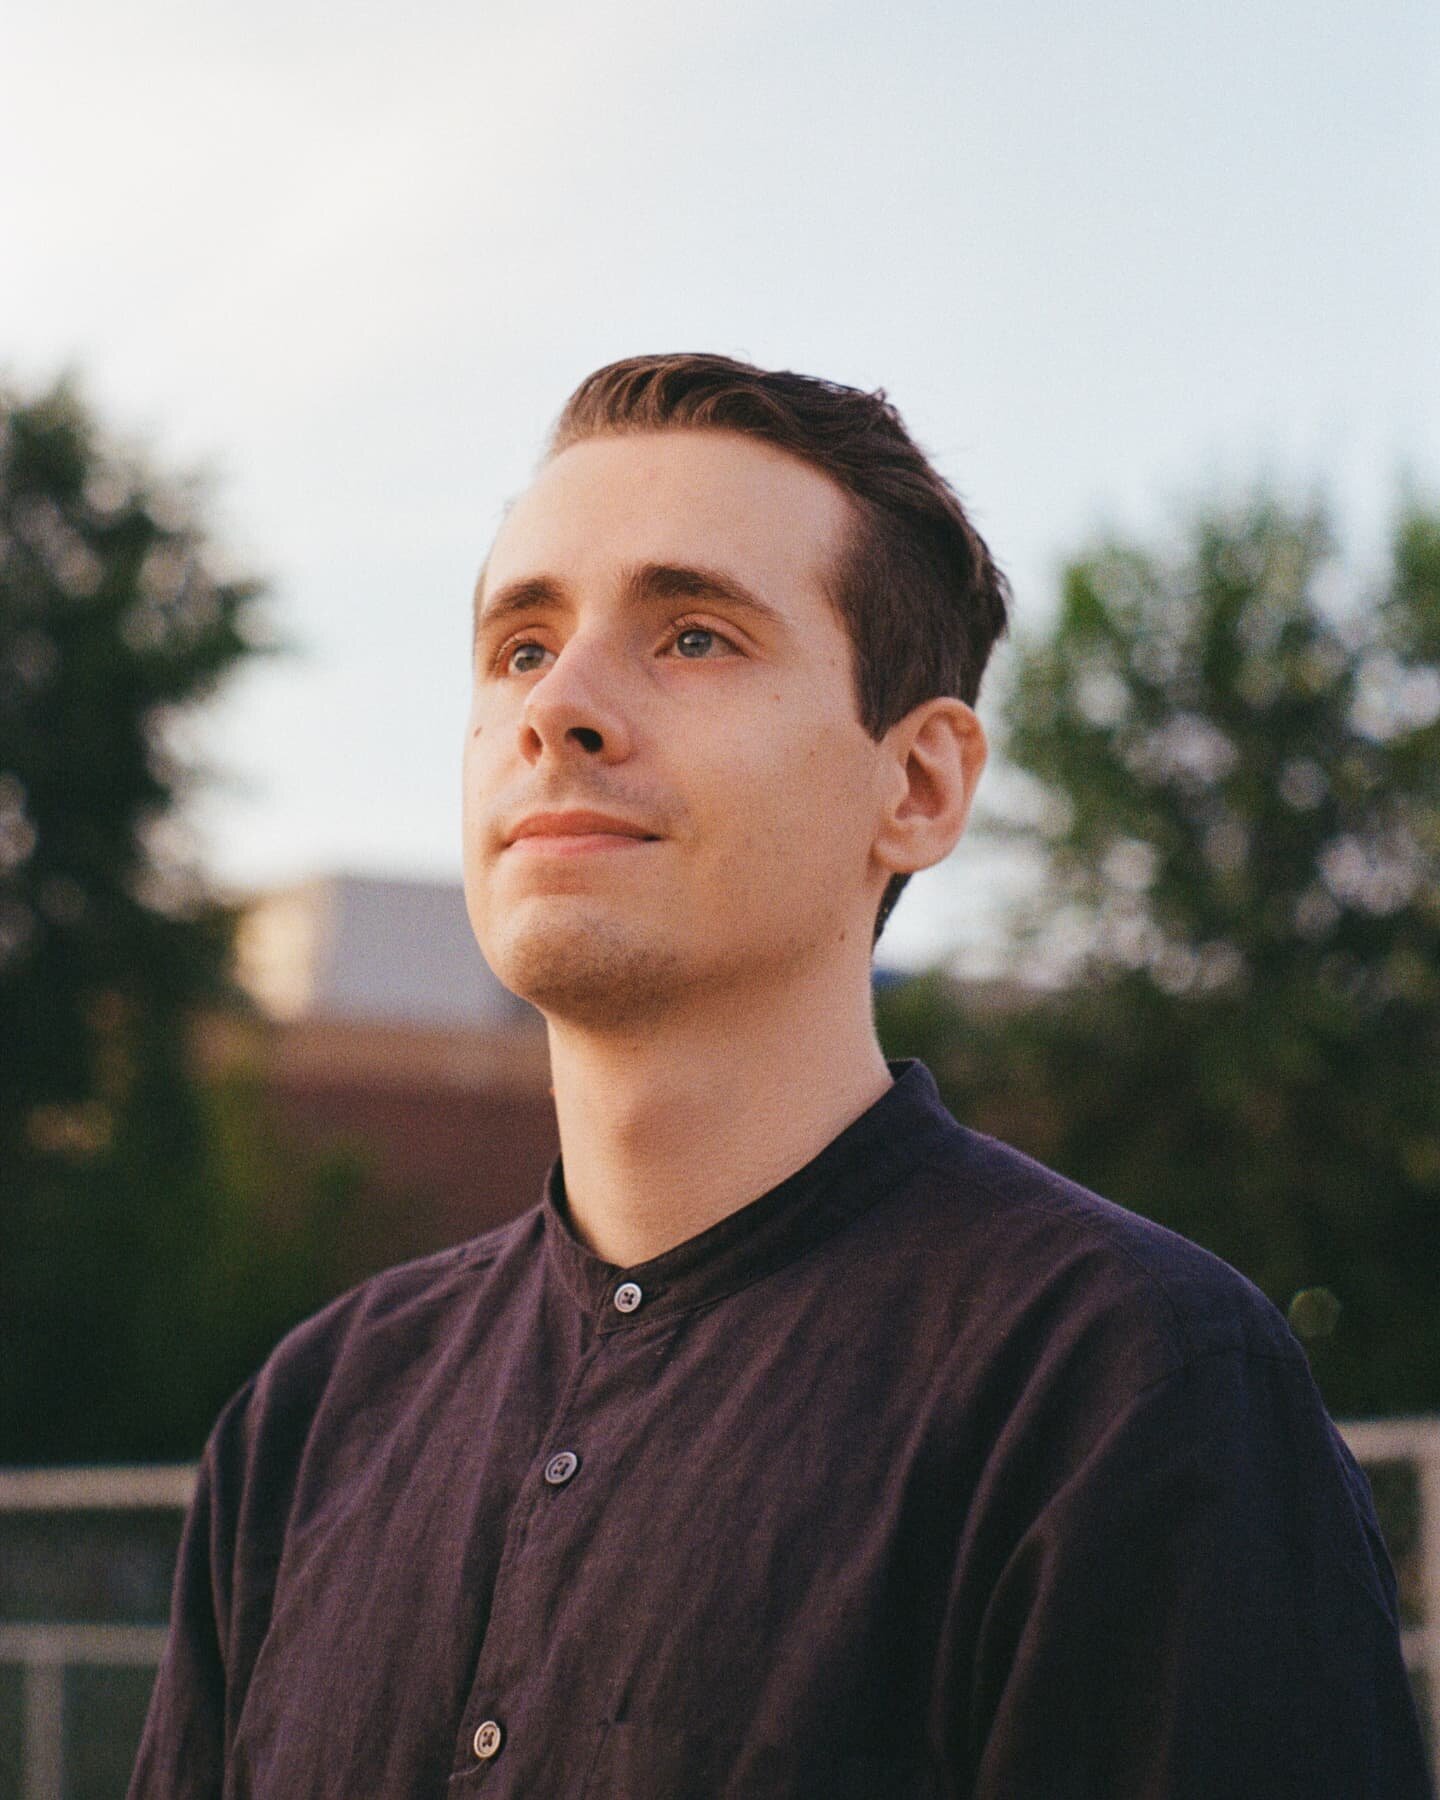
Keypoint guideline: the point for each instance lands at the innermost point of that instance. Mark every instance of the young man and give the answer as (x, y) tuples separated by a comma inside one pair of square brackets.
[(800, 1442)]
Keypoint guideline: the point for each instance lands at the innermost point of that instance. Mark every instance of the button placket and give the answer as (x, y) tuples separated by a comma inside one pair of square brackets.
[(497, 1675)]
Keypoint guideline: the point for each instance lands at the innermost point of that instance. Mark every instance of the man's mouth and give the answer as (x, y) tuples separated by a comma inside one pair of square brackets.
[(575, 832)]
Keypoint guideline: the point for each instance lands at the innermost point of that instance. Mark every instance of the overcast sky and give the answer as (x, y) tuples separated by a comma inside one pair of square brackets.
[(351, 260)]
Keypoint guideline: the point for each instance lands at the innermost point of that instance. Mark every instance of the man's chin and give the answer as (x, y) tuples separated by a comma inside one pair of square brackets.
[(587, 970)]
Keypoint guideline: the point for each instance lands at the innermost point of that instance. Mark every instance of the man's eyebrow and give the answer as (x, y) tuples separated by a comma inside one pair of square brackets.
[(643, 582), (691, 581), (531, 593)]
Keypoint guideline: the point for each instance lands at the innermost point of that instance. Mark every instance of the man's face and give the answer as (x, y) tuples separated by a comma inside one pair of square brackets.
[(655, 645)]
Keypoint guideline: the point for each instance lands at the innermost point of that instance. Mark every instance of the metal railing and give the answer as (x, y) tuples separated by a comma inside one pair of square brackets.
[(1402, 1459), (98, 1506), (86, 1542)]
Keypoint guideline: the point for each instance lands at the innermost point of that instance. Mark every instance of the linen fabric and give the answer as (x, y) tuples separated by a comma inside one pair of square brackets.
[(926, 1474)]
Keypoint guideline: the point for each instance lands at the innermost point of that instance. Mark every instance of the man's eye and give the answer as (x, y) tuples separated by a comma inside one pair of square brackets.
[(696, 641), (524, 659)]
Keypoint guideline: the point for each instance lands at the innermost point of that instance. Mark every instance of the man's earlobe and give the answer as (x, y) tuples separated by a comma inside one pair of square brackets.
[(939, 751)]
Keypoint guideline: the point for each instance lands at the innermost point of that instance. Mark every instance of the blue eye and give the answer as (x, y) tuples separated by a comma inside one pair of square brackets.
[(519, 667), (689, 635)]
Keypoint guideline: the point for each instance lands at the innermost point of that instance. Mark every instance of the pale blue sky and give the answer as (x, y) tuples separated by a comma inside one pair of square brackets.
[(1105, 259)]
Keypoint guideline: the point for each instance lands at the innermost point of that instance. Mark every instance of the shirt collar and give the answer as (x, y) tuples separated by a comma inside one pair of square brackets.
[(869, 1158)]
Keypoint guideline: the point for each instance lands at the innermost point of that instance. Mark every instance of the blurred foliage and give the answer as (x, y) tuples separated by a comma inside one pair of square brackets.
[(1232, 757), (144, 1263)]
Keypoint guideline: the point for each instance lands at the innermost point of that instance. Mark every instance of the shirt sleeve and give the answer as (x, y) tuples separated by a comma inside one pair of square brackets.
[(182, 1749), (1201, 1606)]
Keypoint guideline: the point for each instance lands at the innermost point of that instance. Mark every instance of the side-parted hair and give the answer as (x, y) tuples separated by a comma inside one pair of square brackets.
[(916, 587)]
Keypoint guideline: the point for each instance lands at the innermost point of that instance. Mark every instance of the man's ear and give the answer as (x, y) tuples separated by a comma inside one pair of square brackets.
[(935, 755)]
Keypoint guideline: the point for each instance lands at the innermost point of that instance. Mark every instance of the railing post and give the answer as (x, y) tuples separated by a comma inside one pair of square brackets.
[(44, 1767), (1427, 1457)]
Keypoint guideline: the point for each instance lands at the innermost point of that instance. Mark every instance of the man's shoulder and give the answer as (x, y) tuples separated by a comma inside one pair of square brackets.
[(1049, 1256), (377, 1331)]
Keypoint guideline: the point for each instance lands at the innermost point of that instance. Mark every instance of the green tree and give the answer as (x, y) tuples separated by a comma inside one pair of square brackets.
[(139, 1274), (1232, 755)]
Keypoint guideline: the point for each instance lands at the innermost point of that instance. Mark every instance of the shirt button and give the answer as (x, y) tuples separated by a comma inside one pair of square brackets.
[(561, 1467), (487, 1740), (627, 1297)]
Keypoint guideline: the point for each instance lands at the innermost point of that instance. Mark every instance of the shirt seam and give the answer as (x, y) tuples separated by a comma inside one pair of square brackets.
[(1188, 1353)]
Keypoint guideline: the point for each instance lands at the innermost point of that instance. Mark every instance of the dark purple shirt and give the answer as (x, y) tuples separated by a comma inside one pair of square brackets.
[(928, 1473)]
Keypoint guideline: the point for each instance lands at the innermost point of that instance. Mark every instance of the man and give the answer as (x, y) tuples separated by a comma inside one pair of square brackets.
[(801, 1442)]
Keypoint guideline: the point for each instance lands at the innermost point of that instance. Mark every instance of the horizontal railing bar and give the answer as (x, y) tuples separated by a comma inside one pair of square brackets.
[(1384, 1440), (86, 1489), (110, 1645), (126, 1488)]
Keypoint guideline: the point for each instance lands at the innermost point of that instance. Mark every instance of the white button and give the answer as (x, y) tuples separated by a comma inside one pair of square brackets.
[(561, 1466), (627, 1297), (487, 1740)]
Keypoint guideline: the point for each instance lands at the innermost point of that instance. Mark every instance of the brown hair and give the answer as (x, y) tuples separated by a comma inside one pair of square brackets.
[(919, 593)]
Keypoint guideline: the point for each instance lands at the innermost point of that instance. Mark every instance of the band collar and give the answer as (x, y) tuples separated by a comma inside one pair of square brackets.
[(871, 1156)]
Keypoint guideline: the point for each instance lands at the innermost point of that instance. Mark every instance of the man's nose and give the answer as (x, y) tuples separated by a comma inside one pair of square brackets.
[(576, 707)]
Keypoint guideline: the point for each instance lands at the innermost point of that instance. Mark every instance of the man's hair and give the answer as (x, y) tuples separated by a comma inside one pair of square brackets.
[(919, 593)]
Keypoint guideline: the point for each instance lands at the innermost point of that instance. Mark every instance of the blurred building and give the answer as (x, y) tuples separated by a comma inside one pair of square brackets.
[(372, 948), (382, 1037)]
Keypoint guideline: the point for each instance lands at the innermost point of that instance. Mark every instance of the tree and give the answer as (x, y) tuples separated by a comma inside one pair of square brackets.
[(131, 1296), (1233, 768)]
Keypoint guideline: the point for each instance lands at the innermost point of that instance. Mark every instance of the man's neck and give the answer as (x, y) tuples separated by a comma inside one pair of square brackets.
[(670, 1126)]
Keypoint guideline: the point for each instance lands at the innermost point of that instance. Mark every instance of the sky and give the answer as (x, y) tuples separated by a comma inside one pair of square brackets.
[(348, 263)]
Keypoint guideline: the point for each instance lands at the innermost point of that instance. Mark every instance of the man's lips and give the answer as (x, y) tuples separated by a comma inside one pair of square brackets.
[(575, 831)]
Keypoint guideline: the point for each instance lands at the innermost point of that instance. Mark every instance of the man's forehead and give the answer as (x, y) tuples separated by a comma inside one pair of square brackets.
[(714, 498)]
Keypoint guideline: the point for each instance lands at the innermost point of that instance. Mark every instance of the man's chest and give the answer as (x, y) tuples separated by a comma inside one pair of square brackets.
[(688, 1566)]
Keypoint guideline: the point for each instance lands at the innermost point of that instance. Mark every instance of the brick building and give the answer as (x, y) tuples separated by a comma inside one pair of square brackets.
[(382, 1036)]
